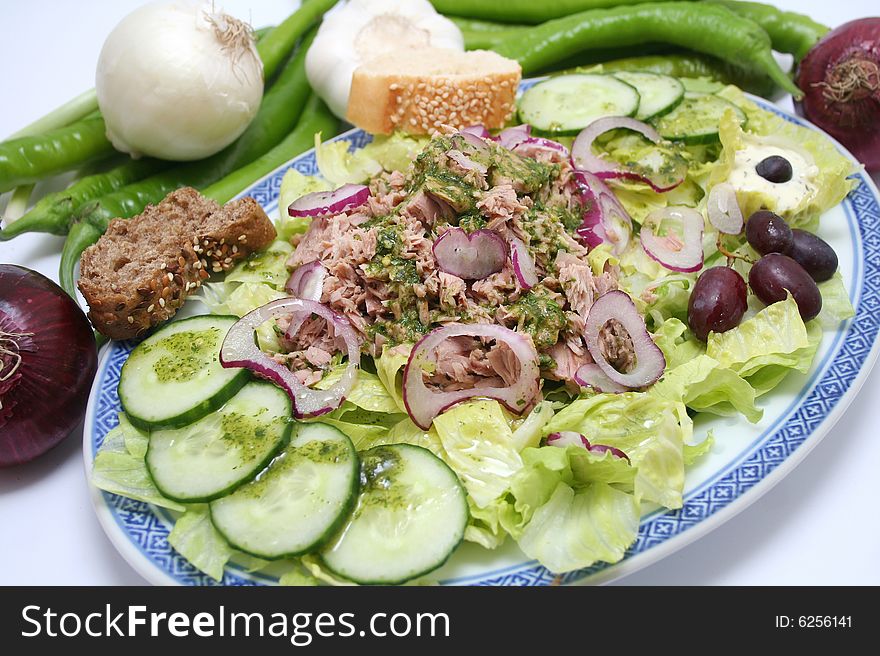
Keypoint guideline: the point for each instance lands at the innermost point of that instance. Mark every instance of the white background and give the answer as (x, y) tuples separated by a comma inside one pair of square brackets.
[(818, 526)]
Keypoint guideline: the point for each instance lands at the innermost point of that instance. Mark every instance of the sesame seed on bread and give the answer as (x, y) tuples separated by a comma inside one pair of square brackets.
[(418, 90), (142, 269)]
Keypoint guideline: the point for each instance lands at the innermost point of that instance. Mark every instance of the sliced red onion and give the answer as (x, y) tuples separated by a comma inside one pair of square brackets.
[(605, 219), (477, 130), (240, 350), (591, 375), (471, 256), (510, 138), (602, 448), (523, 264), (676, 253), (567, 438), (465, 162), (477, 142), (307, 282), (529, 146), (423, 405), (584, 159), (650, 362), (723, 209), (330, 202)]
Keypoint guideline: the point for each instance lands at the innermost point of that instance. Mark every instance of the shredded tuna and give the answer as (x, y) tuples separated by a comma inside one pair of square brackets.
[(383, 277)]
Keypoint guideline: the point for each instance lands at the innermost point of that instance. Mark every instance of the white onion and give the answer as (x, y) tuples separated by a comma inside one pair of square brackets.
[(723, 209), (178, 81)]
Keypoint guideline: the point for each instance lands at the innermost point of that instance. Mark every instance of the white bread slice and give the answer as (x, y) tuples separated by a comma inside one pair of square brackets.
[(417, 90)]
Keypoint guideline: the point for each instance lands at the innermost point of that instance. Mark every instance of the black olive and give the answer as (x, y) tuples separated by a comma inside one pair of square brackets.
[(774, 169)]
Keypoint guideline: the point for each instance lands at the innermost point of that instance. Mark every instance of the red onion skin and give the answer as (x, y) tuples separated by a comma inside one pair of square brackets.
[(840, 77), (49, 399)]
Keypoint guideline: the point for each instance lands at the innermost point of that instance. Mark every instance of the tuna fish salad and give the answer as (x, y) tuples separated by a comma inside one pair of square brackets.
[(388, 273), (510, 335)]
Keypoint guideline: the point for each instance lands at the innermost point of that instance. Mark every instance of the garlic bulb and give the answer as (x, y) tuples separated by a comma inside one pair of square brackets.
[(358, 30), (178, 81)]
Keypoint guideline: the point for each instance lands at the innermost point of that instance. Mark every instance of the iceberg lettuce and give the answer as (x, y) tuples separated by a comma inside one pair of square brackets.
[(119, 466), (195, 538), (836, 306), (650, 429), (268, 267), (389, 368), (766, 347)]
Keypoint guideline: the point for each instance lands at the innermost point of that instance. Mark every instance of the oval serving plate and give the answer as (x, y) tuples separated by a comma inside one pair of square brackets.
[(745, 461)]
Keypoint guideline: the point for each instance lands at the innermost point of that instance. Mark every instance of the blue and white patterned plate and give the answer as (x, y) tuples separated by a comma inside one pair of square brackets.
[(746, 460)]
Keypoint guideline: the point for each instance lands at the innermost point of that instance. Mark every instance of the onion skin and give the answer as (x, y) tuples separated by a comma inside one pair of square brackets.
[(49, 399), (840, 77)]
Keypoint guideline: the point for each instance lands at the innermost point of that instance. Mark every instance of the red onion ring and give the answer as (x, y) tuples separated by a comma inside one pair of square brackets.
[(591, 375), (670, 251), (723, 209), (523, 264), (605, 219), (471, 256), (466, 162), (571, 438), (239, 349), (423, 405), (510, 138), (307, 281), (602, 448), (583, 158), (479, 131), (475, 141), (330, 202), (567, 438), (650, 362), (529, 146)]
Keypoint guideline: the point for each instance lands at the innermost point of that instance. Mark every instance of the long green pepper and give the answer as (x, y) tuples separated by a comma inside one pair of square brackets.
[(524, 11), (707, 28), (789, 31), (29, 159), (279, 111)]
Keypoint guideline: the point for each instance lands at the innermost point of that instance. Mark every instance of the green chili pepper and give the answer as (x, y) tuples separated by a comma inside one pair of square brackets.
[(483, 35), (316, 117), (707, 28), (694, 65), (277, 45), (53, 213), (789, 31), (28, 159), (523, 11), (279, 111)]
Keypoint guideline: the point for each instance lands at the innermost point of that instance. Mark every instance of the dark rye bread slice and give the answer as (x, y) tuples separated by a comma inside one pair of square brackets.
[(141, 271)]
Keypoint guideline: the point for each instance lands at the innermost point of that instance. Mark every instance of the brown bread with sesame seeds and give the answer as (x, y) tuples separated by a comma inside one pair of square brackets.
[(419, 90), (142, 269)]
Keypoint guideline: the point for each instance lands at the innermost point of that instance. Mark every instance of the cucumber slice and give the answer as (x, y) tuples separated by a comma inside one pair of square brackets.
[(298, 502), (410, 516), (174, 377), (658, 94), (566, 104), (216, 454), (695, 120)]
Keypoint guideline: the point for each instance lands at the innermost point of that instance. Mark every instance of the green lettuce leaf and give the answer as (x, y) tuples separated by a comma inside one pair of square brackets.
[(528, 431), (766, 347), (389, 367), (836, 306), (702, 384), (368, 392), (650, 429), (677, 343), (573, 507), (577, 527), (693, 452), (195, 538), (119, 466), (477, 441)]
